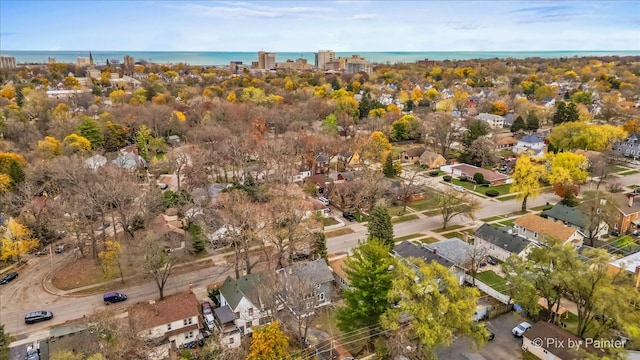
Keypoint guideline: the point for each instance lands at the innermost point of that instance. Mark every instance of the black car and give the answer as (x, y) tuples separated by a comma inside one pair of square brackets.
[(299, 256), (491, 260), (491, 335), (349, 216), (9, 277), (37, 316)]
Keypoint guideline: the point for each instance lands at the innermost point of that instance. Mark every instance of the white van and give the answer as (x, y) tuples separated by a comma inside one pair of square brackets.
[(458, 187)]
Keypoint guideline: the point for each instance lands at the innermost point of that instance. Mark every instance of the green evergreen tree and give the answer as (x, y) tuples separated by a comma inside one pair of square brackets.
[(5, 341), (370, 279), (572, 113), (142, 141), (533, 124), (380, 226), (320, 247), (197, 237), (559, 115), (518, 124), (387, 168), (90, 129), (476, 129), (16, 173)]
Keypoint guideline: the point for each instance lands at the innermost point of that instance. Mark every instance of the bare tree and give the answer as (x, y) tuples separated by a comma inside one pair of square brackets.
[(474, 256), (483, 152), (158, 264), (599, 210), (453, 203), (443, 131), (299, 297), (179, 159), (373, 187), (408, 189)]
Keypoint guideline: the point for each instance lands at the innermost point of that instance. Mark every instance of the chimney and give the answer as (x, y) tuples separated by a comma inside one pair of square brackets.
[(630, 200), (465, 236), (434, 251)]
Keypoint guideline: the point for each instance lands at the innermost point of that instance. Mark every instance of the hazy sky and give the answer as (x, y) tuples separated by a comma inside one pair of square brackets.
[(312, 25)]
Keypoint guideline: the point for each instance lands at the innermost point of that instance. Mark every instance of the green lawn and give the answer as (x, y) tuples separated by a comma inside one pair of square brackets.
[(429, 240), (454, 234), (494, 280), (428, 203), (360, 217), (507, 197), (450, 228), (328, 221), (618, 168), (397, 210), (626, 244), (501, 189), (542, 207), (505, 223), (407, 237), (432, 212), (404, 218), (630, 172), (493, 218)]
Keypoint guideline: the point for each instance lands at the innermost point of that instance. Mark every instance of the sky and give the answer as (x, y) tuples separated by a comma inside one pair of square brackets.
[(340, 25)]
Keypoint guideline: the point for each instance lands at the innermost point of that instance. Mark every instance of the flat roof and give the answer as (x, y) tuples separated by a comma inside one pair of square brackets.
[(628, 263)]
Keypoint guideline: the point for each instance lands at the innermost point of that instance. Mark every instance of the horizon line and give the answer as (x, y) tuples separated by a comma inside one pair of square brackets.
[(315, 51)]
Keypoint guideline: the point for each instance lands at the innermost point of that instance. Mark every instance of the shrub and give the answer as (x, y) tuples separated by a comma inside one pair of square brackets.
[(478, 178), (492, 193), (462, 178), (434, 173), (446, 178)]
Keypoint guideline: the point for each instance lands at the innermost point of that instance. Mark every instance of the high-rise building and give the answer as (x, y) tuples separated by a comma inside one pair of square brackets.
[(266, 60), (323, 57), (7, 62), (129, 62), (355, 64)]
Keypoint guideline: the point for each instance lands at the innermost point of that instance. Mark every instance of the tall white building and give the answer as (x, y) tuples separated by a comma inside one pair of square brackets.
[(7, 62)]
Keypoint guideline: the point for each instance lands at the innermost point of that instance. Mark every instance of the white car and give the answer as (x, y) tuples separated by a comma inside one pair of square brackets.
[(458, 187), (522, 328), (324, 201)]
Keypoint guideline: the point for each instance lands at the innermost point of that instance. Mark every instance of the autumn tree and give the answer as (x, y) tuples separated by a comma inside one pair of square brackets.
[(110, 260), (439, 307), (158, 264), (380, 226), (442, 131), (77, 144), (369, 273), (483, 152), (49, 148), (405, 128), (268, 343), (376, 146), (17, 240), (599, 210), (567, 167), (526, 180), (452, 203)]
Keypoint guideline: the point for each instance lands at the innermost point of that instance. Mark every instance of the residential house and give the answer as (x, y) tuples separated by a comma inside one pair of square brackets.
[(321, 164), (345, 176), (539, 229), (348, 158), (630, 147), (338, 267), (509, 119), (408, 192), (630, 264), (412, 155), (407, 249), (493, 121), (501, 243), (466, 170), (575, 218), (506, 143), (243, 298), (530, 143), (454, 249), (432, 160), (95, 162), (175, 319), (546, 341), (225, 320), (129, 159), (318, 181), (629, 212), (301, 173), (306, 285)]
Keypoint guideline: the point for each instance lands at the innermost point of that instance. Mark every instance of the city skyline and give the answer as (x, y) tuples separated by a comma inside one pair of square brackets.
[(308, 26)]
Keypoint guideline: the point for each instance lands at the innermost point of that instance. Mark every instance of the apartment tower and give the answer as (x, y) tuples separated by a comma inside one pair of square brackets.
[(324, 57)]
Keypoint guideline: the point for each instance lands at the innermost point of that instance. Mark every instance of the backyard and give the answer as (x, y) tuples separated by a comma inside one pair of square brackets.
[(501, 189), (494, 280)]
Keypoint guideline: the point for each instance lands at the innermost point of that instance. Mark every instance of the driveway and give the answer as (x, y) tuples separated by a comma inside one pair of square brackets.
[(503, 347)]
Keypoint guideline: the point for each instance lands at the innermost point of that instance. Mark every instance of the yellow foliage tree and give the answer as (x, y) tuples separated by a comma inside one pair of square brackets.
[(377, 113), (139, 97), (417, 95), (231, 97), (160, 99), (5, 183), (7, 157), (631, 126), (178, 115), (61, 113), (8, 92), (459, 99), (499, 108), (526, 180), (393, 109), (77, 143), (566, 167), (118, 96), (16, 241), (403, 97), (376, 146), (50, 147), (110, 259), (269, 343), (71, 82), (431, 94), (445, 105)]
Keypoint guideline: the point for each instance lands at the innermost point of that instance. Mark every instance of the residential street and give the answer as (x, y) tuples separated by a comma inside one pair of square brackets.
[(27, 293)]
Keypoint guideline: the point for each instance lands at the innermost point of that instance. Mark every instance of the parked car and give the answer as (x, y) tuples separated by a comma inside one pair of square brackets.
[(299, 256), (491, 260), (615, 233), (37, 316), (458, 188), (206, 308), (33, 353), (491, 333), (324, 200), (60, 249), (42, 252), (164, 186), (349, 216), (9, 277), (113, 297), (520, 329)]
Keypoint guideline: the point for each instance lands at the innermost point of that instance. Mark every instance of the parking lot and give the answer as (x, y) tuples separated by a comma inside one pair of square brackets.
[(503, 347)]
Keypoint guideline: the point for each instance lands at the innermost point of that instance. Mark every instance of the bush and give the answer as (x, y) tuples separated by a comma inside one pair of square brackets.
[(492, 193), (478, 178), (446, 178), (434, 173), (462, 178)]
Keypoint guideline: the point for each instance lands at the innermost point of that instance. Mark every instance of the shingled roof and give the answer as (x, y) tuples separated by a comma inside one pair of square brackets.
[(408, 249), (553, 229), (143, 315), (501, 238), (246, 286)]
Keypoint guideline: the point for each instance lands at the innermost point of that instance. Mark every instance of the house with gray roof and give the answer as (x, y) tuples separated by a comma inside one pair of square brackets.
[(630, 147), (406, 250), (493, 121), (501, 243), (306, 286), (575, 218), (243, 298), (453, 249), (225, 321), (530, 143)]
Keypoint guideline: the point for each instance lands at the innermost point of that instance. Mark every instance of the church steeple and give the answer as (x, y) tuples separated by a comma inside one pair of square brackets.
[(90, 58)]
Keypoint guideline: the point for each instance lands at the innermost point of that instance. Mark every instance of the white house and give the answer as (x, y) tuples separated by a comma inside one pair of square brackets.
[(539, 229), (176, 319), (493, 121), (529, 142), (242, 297), (501, 243), (229, 333)]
